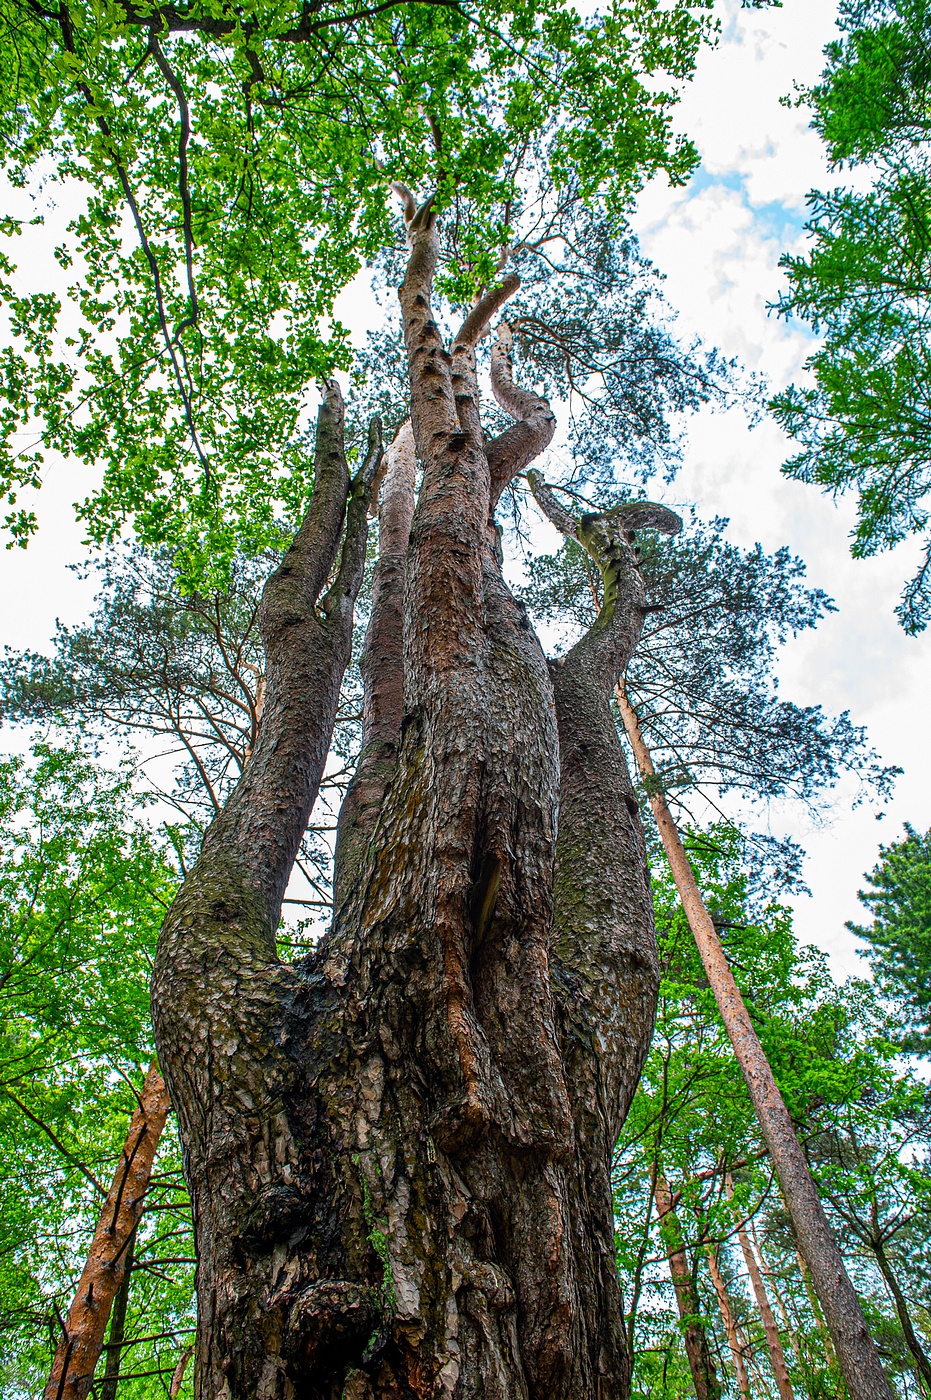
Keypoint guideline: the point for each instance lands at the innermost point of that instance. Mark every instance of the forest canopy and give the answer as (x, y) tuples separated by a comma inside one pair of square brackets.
[(358, 1038)]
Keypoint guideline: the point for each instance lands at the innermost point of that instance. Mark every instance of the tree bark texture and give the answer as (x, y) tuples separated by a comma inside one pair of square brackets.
[(856, 1351), (78, 1351), (114, 1346), (697, 1350), (730, 1323), (399, 1148)]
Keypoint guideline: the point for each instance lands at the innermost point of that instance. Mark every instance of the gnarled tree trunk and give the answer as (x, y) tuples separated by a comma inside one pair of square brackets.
[(399, 1148)]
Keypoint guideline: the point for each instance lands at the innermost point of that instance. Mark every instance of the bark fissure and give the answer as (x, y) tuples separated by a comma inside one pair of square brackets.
[(399, 1148)]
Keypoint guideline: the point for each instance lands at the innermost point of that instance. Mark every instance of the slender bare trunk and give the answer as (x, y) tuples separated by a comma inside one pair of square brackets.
[(177, 1378), (922, 1362), (855, 1348), (114, 1346), (79, 1349), (701, 1365), (773, 1340), (730, 1323), (773, 1284)]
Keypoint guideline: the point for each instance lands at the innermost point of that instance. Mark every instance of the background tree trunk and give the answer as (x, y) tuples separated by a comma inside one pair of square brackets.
[(922, 1363), (701, 1365), (771, 1331), (856, 1351), (79, 1349), (730, 1323), (399, 1149)]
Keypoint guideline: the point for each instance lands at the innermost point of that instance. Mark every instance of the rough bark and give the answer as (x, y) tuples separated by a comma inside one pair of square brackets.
[(697, 1350), (819, 1319), (856, 1351), (730, 1323), (399, 1149), (382, 666), (79, 1350)]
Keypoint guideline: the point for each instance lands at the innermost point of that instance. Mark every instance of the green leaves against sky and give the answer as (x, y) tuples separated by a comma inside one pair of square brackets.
[(229, 169)]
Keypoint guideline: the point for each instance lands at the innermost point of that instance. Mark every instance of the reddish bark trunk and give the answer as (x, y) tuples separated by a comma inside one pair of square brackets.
[(856, 1351), (399, 1149), (730, 1324), (701, 1365), (79, 1350), (773, 1341)]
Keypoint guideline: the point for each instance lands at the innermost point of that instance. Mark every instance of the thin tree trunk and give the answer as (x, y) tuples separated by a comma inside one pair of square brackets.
[(114, 1347), (730, 1323), (79, 1348), (701, 1365), (399, 1148), (856, 1351), (773, 1340), (922, 1362), (774, 1288), (817, 1314), (177, 1378)]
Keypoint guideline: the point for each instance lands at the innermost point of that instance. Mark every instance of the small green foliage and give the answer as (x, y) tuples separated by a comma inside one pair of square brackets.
[(864, 287), (899, 938), (228, 194), (83, 889)]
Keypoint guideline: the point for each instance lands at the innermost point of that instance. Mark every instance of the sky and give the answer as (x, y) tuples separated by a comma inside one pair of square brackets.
[(718, 241)]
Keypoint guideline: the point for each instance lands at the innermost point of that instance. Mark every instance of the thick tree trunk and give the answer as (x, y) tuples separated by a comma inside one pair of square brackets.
[(697, 1350), (856, 1351), (85, 1327), (730, 1323), (399, 1149)]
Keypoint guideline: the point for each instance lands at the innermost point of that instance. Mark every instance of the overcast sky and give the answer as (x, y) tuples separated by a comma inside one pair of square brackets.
[(719, 242)]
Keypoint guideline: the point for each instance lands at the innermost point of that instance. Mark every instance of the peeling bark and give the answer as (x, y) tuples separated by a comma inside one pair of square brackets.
[(399, 1148), (79, 1350)]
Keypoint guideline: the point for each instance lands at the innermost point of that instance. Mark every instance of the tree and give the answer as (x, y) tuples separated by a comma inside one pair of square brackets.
[(856, 1351), (864, 286), (181, 677), (85, 886), (899, 938), (703, 677), (837, 1071)]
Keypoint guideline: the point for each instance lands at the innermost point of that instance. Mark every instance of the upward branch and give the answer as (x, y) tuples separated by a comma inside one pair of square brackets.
[(514, 450)]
